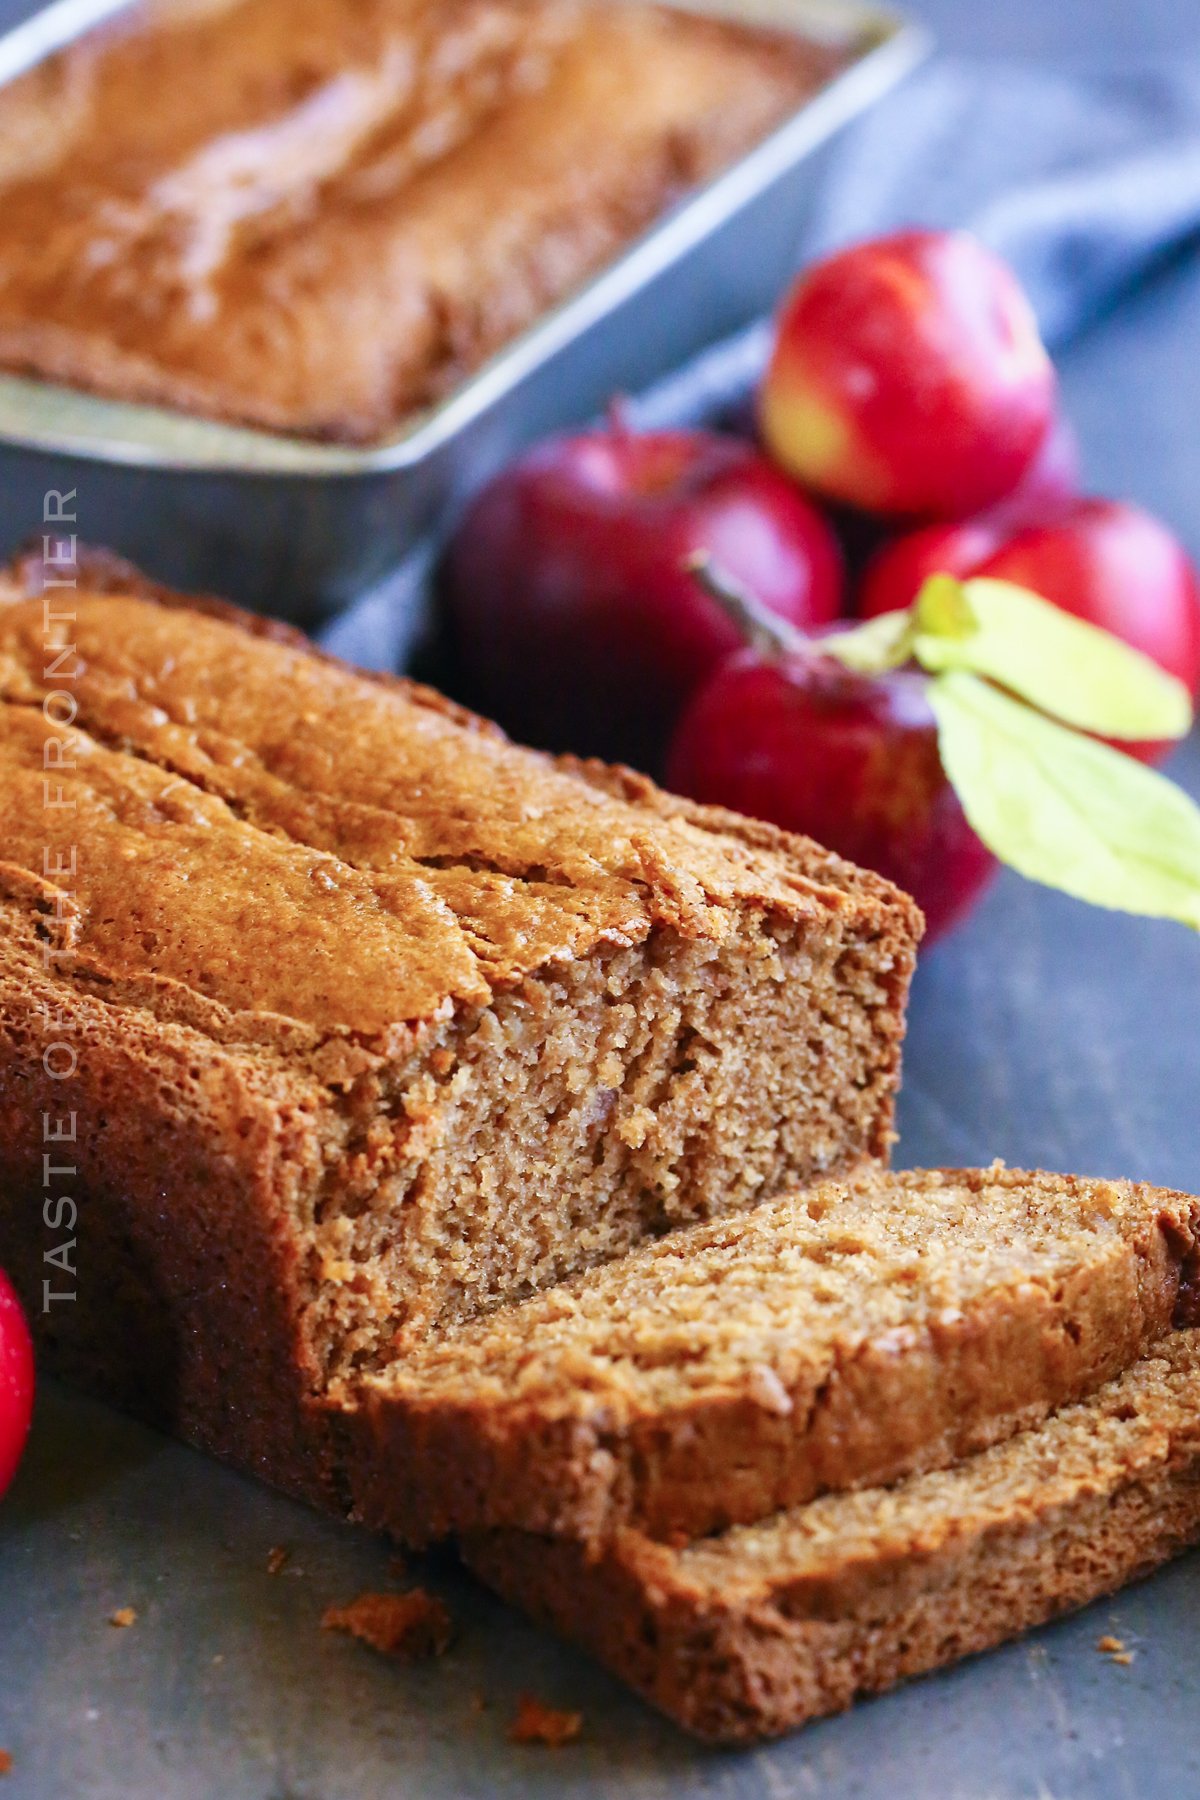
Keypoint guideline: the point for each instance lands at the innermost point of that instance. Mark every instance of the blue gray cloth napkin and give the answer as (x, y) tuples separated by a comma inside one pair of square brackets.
[(1086, 184)]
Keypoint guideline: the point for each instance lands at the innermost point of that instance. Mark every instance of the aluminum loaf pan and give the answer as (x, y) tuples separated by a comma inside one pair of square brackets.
[(299, 528)]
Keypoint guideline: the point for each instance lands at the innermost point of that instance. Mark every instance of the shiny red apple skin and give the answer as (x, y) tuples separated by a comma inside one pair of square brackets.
[(894, 575), (1103, 560), (16, 1381), (908, 378), (1119, 568), (847, 759), (573, 617), (887, 569)]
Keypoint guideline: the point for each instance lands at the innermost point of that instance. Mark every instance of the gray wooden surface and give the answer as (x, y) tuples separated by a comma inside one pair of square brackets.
[(1042, 1033)]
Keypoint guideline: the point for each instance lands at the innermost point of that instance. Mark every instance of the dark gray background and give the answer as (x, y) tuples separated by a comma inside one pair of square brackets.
[(1042, 1032)]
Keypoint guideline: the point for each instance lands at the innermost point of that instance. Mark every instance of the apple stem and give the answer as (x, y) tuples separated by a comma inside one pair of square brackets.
[(762, 629)]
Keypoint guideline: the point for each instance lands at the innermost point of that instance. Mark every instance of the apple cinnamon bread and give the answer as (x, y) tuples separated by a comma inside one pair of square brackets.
[(753, 1632), (361, 199), (840, 1336), (371, 1021)]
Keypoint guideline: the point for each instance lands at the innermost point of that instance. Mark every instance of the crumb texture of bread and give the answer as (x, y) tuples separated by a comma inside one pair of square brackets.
[(370, 199), (753, 1632), (841, 1336), (376, 1020), (412, 1627)]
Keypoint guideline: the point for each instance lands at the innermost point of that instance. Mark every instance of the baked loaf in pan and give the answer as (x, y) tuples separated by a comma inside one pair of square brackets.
[(839, 1336), (753, 1632), (373, 1020), (317, 215)]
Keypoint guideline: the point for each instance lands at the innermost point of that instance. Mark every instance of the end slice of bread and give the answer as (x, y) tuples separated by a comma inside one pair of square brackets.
[(847, 1334), (753, 1632)]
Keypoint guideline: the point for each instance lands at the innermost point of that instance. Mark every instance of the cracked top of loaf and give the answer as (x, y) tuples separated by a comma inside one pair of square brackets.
[(238, 820), (317, 215)]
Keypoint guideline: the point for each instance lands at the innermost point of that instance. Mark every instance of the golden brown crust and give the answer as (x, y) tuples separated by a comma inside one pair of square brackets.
[(177, 1163), (96, 570), (838, 1337), (370, 200), (460, 861), (750, 1634)]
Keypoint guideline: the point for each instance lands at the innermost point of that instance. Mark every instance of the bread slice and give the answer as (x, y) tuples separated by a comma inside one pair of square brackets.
[(351, 1019), (751, 1633), (827, 1339)]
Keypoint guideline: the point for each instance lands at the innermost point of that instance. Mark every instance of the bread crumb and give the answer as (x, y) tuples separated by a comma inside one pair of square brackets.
[(1114, 1649), (1108, 1644), (277, 1558), (123, 1617), (5, 1763), (1124, 1657), (538, 1724), (410, 1626), (636, 1127)]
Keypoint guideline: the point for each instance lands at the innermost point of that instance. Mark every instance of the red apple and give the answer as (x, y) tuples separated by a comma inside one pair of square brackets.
[(895, 574), (1119, 568), (16, 1381), (575, 620), (908, 378), (1109, 563), (850, 760)]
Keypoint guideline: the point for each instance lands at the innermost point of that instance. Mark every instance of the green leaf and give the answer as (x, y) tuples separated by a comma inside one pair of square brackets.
[(1082, 675), (942, 609), (882, 643), (1066, 810)]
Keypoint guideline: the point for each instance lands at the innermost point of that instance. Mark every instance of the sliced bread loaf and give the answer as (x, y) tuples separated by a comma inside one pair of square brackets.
[(354, 1019), (846, 1334), (752, 1633)]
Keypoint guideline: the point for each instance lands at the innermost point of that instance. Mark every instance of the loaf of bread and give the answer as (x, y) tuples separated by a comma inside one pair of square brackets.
[(343, 1020), (317, 215), (839, 1336), (349, 1057), (750, 1633)]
